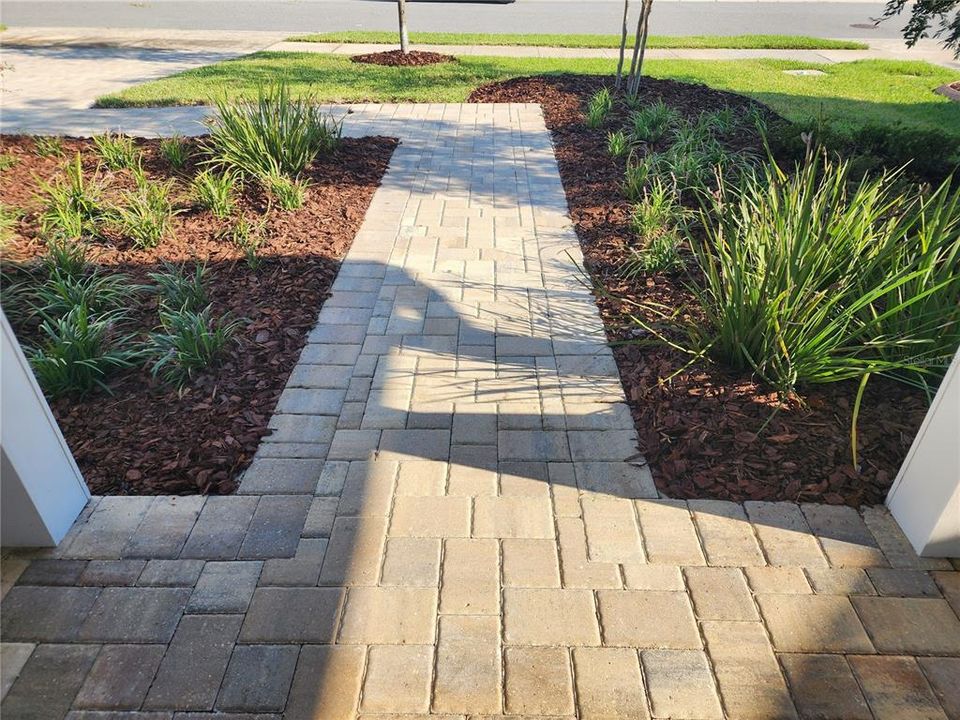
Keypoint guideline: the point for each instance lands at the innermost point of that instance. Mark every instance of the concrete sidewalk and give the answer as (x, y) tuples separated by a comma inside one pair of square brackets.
[(239, 42)]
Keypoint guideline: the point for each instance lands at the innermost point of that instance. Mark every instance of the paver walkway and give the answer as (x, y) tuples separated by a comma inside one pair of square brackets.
[(449, 519)]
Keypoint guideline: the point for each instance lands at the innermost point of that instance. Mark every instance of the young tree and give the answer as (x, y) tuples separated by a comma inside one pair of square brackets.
[(945, 14), (623, 42), (639, 48), (404, 37)]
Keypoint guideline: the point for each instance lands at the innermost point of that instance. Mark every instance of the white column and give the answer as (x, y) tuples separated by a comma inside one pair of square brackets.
[(925, 498), (41, 489)]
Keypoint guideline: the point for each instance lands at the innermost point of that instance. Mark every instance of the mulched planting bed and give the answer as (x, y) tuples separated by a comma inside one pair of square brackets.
[(145, 437), (707, 433), (396, 58)]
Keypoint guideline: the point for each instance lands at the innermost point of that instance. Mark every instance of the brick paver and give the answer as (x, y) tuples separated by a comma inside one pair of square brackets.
[(449, 518)]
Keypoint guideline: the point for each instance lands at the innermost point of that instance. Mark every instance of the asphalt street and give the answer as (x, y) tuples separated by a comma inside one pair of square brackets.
[(670, 17)]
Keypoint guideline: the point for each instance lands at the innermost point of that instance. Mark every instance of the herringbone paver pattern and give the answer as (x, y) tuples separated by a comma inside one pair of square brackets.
[(450, 519)]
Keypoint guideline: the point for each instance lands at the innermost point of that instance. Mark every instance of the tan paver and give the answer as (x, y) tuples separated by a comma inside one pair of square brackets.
[(824, 686), (413, 562), (539, 681), (432, 517), (549, 617), (608, 683), (612, 532), (747, 672), (395, 615), (726, 534), (811, 623), (398, 679), (648, 619), (680, 684), (471, 577), (530, 563), (326, 683), (668, 532), (468, 665), (911, 626), (512, 517), (777, 580), (720, 594), (896, 689)]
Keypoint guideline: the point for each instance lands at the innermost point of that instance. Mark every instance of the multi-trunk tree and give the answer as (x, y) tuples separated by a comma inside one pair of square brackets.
[(639, 47)]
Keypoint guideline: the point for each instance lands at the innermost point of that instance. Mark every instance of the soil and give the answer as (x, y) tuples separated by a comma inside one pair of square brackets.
[(397, 58), (708, 433), (145, 437)]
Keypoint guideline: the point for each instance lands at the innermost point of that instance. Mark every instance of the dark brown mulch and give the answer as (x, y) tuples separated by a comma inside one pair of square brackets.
[(397, 58), (705, 432), (145, 437)]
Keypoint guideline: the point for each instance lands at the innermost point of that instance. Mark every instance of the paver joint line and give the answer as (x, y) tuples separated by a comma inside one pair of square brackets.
[(471, 533)]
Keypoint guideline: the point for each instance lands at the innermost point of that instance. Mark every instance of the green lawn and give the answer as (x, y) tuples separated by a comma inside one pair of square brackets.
[(763, 42), (849, 94)]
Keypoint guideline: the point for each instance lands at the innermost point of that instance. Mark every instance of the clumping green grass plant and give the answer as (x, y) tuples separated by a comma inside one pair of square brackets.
[(9, 218), (248, 236), (8, 161), (617, 143), (652, 122), (51, 146), (80, 351), (659, 254), (188, 342), (175, 151), (289, 194), (214, 191), (179, 289), (635, 178), (65, 256), (275, 135), (810, 277), (144, 215), (99, 292), (117, 152), (72, 205), (598, 107), (658, 210)]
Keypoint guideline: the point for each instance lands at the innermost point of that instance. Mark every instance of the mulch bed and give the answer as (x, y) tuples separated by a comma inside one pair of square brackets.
[(707, 433), (397, 58), (146, 437)]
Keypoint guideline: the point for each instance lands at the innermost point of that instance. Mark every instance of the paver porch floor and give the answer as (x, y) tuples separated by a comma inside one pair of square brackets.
[(450, 519)]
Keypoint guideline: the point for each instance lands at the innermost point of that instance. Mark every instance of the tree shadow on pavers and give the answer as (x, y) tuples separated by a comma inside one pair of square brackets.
[(365, 504)]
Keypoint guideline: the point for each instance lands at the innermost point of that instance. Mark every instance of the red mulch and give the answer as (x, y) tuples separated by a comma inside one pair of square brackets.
[(707, 433), (397, 58), (145, 437)]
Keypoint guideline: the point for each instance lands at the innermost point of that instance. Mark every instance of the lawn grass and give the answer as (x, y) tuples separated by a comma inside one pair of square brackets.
[(848, 96), (740, 42)]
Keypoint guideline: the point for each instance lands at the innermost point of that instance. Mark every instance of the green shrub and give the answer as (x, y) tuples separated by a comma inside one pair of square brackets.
[(813, 278), (175, 151), (273, 135), (80, 352), (179, 290), (659, 254), (145, 214), (248, 235), (65, 257), (214, 192), (72, 205), (9, 219), (117, 151), (289, 194), (617, 143), (188, 343), (653, 122), (658, 210), (100, 293), (635, 178), (599, 107), (49, 146)]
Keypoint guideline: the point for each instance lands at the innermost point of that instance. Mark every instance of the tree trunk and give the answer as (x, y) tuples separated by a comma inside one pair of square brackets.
[(623, 43), (636, 66), (404, 37)]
